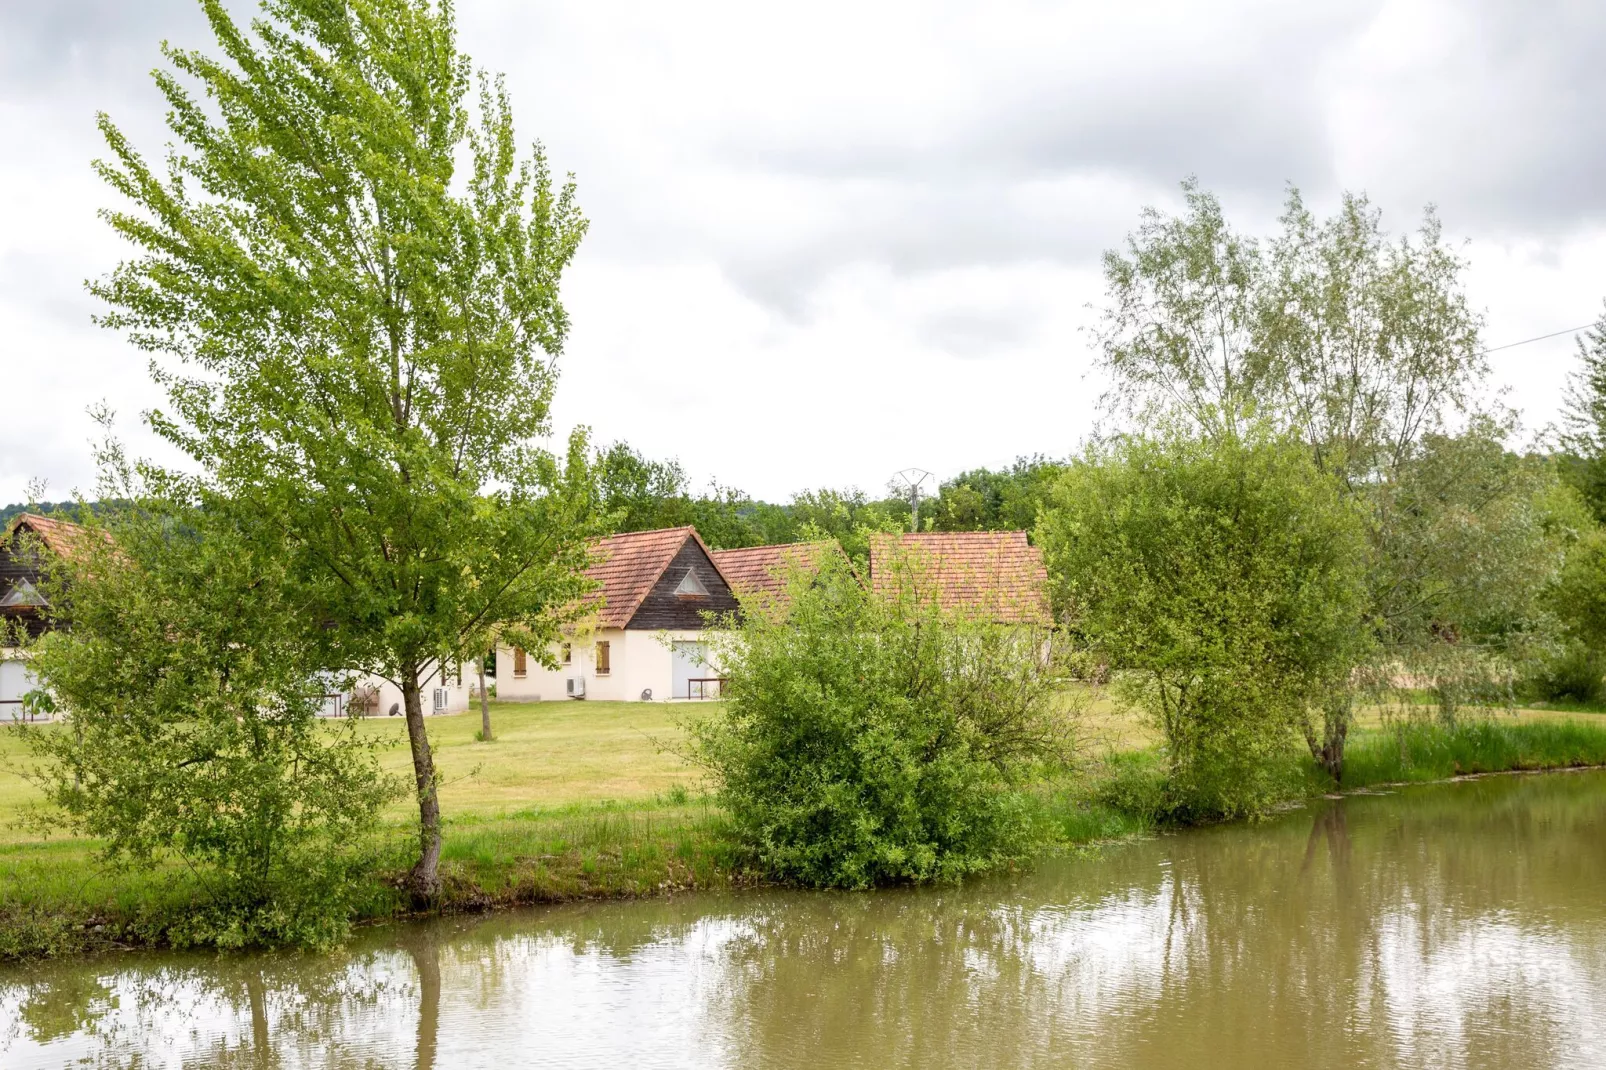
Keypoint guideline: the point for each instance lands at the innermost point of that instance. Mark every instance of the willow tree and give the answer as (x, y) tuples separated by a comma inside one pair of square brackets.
[(1360, 343), (348, 278)]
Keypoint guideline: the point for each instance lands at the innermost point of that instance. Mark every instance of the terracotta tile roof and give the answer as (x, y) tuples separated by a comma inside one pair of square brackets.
[(996, 573), (628, 565), (59, 536), (762, 569)]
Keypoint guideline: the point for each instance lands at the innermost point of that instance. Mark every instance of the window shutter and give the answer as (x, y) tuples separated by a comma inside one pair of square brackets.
[(602, 659), (519, 664)]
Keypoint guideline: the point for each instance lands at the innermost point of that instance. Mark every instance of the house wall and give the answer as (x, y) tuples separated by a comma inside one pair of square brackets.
[(15, 681), (390, 694), (639, 659)]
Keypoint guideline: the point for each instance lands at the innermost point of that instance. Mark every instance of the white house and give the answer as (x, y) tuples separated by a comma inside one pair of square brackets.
[(646, 641), (22, 607), (448, 694)]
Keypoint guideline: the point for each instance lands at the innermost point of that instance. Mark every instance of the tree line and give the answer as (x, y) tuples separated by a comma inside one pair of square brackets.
[(1309, 510), (638, 493)]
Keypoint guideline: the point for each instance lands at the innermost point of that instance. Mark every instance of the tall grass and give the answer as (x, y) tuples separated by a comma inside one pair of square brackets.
[(55, 898), (1416, 752), (1127, 792), (587, 852)]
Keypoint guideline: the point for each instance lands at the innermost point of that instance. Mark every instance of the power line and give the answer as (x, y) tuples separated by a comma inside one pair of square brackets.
[(1541, 338)]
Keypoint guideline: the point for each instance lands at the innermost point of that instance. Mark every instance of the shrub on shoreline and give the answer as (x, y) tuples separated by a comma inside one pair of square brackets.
[(1223, 582), (874, 737), (268, 809)]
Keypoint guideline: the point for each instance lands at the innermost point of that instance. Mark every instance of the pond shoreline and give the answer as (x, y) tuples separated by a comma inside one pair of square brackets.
[(658, 851)]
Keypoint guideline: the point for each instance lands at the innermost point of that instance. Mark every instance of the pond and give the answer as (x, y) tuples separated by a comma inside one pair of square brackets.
[(1454, 925)]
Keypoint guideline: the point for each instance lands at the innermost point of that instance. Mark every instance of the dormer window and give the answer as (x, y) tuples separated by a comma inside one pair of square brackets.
[(691, 586), (24, 593)]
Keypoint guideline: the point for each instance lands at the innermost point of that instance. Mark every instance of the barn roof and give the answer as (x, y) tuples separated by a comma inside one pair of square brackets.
[(995, 574), (754, 570), (61, 537), (628, 565)]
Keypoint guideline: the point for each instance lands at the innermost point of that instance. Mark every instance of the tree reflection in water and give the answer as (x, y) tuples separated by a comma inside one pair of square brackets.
[(426, 955), (1455, 925)]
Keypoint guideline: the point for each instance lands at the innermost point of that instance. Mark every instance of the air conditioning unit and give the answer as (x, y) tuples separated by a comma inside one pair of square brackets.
[(577, 687), (443, 698)]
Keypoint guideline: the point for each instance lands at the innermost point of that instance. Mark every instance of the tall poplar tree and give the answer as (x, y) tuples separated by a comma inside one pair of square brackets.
[(348, 281)]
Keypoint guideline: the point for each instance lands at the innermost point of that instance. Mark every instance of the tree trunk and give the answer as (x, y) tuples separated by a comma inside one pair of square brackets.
[(485, 707), (424, 881), (1329, 750)]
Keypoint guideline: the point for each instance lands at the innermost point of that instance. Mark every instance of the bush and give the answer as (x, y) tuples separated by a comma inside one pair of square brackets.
[(193, 734), (1134, 782), (1576, 674), (1223, 583), (872, 738)]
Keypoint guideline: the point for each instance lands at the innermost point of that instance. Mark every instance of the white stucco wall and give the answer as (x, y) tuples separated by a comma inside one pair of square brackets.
[(15, 681), (638, 661), (390, 694)]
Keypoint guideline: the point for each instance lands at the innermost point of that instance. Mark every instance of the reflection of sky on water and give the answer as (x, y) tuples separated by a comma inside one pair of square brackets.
[(1475, 991), (513, 998), (179, 1016), (1376, 942)]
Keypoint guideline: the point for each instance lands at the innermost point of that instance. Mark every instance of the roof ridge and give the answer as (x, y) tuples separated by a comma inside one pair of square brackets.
[(48, 528)]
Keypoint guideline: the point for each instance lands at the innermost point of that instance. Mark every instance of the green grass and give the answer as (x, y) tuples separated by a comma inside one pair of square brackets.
[(1420, 752), (551, 754), (548, 754), (589, 800), (569, 800)]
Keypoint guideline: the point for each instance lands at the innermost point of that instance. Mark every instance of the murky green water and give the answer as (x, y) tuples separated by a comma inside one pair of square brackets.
[(1458, 925)]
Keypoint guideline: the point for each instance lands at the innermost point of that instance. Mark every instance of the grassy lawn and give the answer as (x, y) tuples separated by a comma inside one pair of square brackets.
[(575, 756), (571, 799), (548, 754), (544, 755)]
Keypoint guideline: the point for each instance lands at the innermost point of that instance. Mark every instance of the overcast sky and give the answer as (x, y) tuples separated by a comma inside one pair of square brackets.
[(834, 240)]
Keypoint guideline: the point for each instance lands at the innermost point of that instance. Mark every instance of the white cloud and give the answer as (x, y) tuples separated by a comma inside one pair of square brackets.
[(830, 241)]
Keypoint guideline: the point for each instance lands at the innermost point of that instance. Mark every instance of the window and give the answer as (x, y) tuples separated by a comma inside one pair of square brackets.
[(23, 594), (691, 586), (568, 654), (602, 659), (519, 664)]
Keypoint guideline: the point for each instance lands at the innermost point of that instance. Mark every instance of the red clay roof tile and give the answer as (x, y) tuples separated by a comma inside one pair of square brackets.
[(994, 573), (754, 570), (59, 536), (627, 566)]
